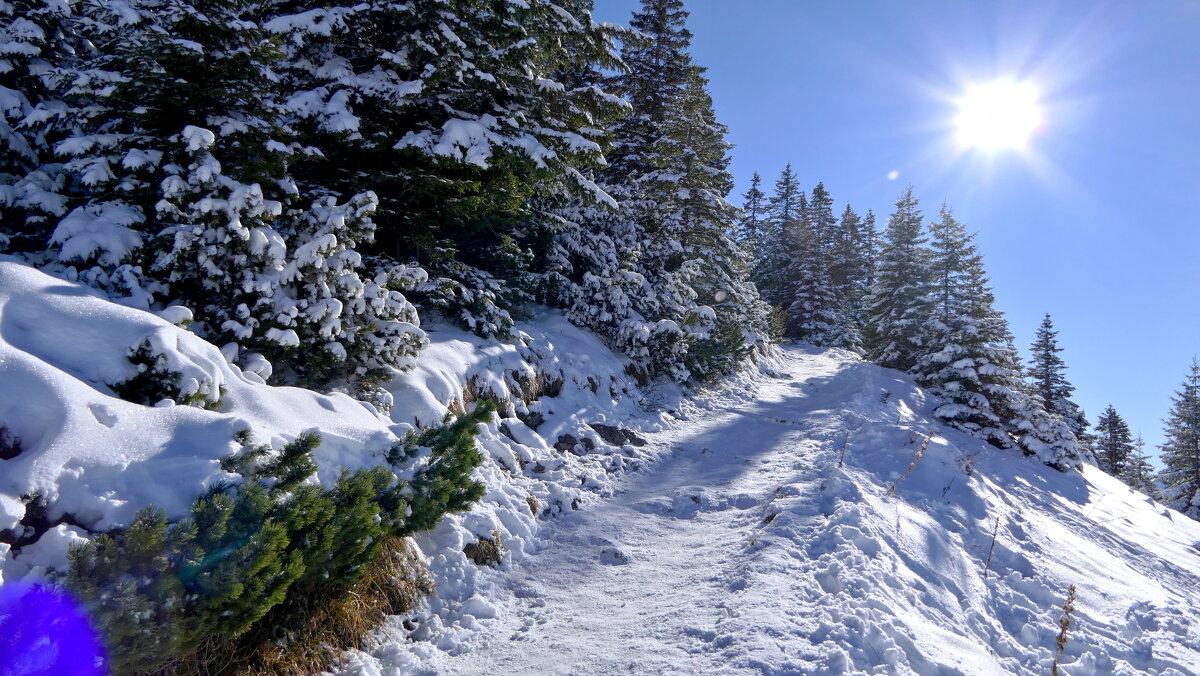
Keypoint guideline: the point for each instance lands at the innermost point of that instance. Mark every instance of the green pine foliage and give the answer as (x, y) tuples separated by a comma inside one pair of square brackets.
[(260, 548), (443, 481)]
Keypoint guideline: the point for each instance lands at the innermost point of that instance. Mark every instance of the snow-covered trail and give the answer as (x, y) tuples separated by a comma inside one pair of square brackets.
[(657, 565)]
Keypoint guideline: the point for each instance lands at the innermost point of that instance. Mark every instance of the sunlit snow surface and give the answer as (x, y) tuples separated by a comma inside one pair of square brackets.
[(764, 541)]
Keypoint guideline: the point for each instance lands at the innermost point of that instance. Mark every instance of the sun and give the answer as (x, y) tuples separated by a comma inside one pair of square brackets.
[(998, 115)]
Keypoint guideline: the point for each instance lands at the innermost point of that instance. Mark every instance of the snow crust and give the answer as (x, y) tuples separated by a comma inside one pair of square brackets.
[(765, 539)]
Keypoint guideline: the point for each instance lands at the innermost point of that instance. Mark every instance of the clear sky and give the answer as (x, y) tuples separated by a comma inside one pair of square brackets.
[(1094, 222)]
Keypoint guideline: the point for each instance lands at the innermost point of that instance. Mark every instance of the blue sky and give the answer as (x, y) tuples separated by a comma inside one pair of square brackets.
[(1096, 223)]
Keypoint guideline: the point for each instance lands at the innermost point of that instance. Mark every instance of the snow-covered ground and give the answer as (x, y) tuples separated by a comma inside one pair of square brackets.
[(750, 529), (765, 541)]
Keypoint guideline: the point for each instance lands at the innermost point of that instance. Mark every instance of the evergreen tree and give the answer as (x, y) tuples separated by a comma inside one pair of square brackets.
[(824, 223), (850, 274), (1180, 452), (811, 304), (868, 247), (811, 301), (178, 158), (962, 351), (899, 301), (1114, 443), (784, 208), (690, 310), (460, 116), (750, 229), (964, 343), (1048, 374)]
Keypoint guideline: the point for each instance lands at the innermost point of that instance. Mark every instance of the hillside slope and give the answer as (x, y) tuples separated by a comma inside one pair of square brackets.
[(746, 530), (766, 541)]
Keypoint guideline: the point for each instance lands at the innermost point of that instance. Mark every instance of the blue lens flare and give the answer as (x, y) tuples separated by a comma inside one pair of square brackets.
[(44, 632)]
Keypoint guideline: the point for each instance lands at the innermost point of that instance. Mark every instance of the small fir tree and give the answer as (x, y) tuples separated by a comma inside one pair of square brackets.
[(784, 208), (750, 228), (1140, 473)]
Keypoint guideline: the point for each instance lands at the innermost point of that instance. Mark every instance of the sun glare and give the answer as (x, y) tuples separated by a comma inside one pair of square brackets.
[(998, 115)]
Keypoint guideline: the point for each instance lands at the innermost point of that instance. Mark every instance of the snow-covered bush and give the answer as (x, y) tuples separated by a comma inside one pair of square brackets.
[(260, 557), (162, 375), (285, 283)]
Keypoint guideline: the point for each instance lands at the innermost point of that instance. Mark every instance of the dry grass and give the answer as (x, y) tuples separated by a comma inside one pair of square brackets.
[(1064, 625), (487, 551), (913, 465), (306, 633)]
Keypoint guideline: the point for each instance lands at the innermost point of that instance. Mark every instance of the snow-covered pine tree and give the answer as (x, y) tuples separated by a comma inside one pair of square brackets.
[(812, 301), (1114, 443), (899, 302), (451, 113), (1047, 371), (286, 283), (31, 44), (786, 204), (693, 313), (724, 287), (146, 70), (171, 212), (1139, 475), (1180, 453), (850, 272), (750, 228), (824, 223), (868, 247), (963, 341)]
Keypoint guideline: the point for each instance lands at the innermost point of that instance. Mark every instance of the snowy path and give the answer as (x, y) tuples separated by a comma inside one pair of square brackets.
[(749, 548), (656, 565)]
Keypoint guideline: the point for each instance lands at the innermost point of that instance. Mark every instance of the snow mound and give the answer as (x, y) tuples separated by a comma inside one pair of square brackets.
[(91, 459)]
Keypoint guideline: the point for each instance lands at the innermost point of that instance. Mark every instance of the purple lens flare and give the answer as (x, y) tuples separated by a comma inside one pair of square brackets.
[(44, 631)]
